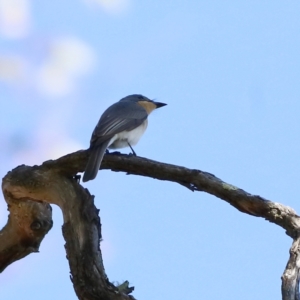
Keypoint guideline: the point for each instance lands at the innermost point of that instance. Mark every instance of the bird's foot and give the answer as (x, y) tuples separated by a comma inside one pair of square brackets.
[(115, 153), (133, 152)]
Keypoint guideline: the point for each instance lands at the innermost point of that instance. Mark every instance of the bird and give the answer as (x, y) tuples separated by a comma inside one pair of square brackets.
[(121, 125)]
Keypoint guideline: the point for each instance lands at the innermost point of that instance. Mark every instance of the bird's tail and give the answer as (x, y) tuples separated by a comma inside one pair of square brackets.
[(94, 162)]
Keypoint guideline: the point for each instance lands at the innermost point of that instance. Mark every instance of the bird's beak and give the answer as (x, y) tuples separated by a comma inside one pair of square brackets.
[(159, 104)]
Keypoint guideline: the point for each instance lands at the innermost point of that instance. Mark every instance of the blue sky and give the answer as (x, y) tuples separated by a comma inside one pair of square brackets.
[(230, 73)]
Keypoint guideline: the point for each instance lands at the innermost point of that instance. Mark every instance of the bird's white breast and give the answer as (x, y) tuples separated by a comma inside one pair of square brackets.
[(121, 140)]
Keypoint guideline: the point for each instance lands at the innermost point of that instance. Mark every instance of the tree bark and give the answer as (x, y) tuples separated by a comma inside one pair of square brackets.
[(28, 192)]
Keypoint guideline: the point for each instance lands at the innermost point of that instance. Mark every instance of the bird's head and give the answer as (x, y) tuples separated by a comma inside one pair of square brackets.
[(146, 103)]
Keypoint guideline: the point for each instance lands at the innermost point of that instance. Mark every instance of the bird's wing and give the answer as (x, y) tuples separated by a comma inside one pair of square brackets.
[(117, 118)]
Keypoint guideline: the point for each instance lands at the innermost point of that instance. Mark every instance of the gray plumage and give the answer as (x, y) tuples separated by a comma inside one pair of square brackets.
[(120, 125)]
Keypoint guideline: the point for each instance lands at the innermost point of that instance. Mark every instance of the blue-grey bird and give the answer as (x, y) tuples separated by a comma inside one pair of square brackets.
[(121, 125)]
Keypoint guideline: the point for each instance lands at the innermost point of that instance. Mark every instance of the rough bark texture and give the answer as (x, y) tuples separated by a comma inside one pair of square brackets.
[(81, 229), (29, 190), (26, 227), (290, 277)]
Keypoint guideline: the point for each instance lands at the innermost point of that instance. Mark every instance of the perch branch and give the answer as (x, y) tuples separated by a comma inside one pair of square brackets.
[(53, 182)]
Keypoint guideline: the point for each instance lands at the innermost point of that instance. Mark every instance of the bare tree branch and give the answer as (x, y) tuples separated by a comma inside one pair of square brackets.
[(27, 225), (53, 182), (81, 229), (290, 277)]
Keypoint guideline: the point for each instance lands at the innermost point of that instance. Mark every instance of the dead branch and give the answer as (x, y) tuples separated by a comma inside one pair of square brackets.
[(28, 192)]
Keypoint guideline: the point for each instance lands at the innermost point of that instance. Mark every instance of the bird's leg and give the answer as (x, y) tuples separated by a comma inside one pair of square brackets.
[(133, 152)]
